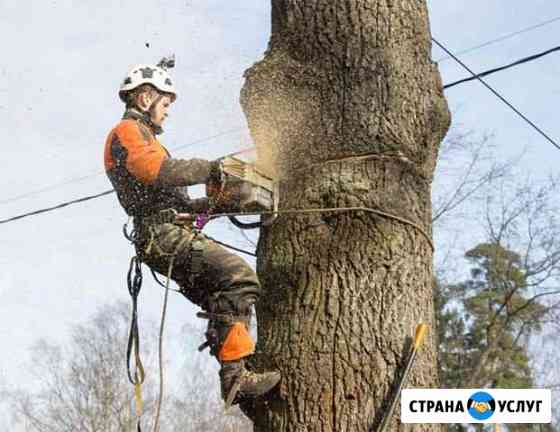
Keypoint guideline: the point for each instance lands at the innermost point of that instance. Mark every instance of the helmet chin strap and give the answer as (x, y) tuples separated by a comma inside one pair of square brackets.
[(149, 114), (152, 107)]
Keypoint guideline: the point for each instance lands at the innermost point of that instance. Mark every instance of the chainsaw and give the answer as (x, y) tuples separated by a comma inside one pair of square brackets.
[(245, 188)]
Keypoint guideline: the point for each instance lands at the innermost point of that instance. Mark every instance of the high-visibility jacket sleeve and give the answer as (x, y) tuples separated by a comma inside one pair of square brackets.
[(143, 158), (149, 162)]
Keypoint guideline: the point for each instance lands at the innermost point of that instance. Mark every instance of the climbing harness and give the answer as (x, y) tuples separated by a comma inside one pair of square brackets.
[(197, 247), (136, 378), (160, 342), (135, 283), (196, 259), (134, 286)]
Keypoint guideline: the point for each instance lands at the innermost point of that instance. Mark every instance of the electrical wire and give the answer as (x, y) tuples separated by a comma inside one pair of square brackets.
[(498, 95), (56, 207), (87, 198), (501, 68), (499, 39), (218, 135), (447, 86), (97, 173), (51, 187)]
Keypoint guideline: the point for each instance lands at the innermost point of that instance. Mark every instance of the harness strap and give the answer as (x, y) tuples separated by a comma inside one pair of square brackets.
[(197, 247), (134, 286), (161, 217), (136, 378), (160, 344)]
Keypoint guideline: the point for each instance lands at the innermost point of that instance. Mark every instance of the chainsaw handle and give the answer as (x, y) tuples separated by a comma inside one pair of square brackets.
[(244, 225)]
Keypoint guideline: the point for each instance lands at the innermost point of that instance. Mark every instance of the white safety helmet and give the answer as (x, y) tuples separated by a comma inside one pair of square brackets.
[(148, 74)]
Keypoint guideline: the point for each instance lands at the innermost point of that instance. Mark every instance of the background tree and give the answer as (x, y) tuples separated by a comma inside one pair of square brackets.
[(83, 386), (452, 337), (350, 110), (545, 359), (467, 166), (486, 321), (487, 349)]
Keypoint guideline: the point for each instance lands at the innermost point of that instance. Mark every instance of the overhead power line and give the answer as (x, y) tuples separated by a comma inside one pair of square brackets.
[(95, 174), (50, 187), (474, 77), (501, 68), (59, 206), (91, 197), (218, 135), (500, 39), (498, 95)]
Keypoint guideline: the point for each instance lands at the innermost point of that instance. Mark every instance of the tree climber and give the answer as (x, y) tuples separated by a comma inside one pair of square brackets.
[(149, 182)]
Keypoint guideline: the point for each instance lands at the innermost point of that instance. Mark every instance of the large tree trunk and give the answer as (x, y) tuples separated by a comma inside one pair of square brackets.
[(343, 291)]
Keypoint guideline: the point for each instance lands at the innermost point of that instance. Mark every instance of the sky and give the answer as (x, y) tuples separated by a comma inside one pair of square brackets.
[(61, 64)]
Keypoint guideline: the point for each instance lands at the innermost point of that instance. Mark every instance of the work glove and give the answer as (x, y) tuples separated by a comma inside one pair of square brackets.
[(216, 180), (223, 197), (228, 200), (216, 171)]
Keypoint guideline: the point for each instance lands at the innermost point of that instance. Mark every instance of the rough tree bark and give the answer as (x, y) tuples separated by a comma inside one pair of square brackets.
[(344, 291)]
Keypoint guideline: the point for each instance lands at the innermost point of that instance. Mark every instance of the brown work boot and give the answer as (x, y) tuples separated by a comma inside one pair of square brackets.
[(238, 382)]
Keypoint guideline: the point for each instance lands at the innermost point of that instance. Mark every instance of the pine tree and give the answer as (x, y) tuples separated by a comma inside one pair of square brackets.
[(499, 316), (452, 337), (482, 322)]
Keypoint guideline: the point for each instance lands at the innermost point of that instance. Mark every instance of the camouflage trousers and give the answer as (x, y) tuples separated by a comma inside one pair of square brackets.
[(224, 282)]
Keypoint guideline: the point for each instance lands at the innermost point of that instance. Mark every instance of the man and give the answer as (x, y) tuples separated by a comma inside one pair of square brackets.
[(149, 182)]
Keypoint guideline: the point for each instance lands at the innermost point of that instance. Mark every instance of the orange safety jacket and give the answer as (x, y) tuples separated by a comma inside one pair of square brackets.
[(145, 176)]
